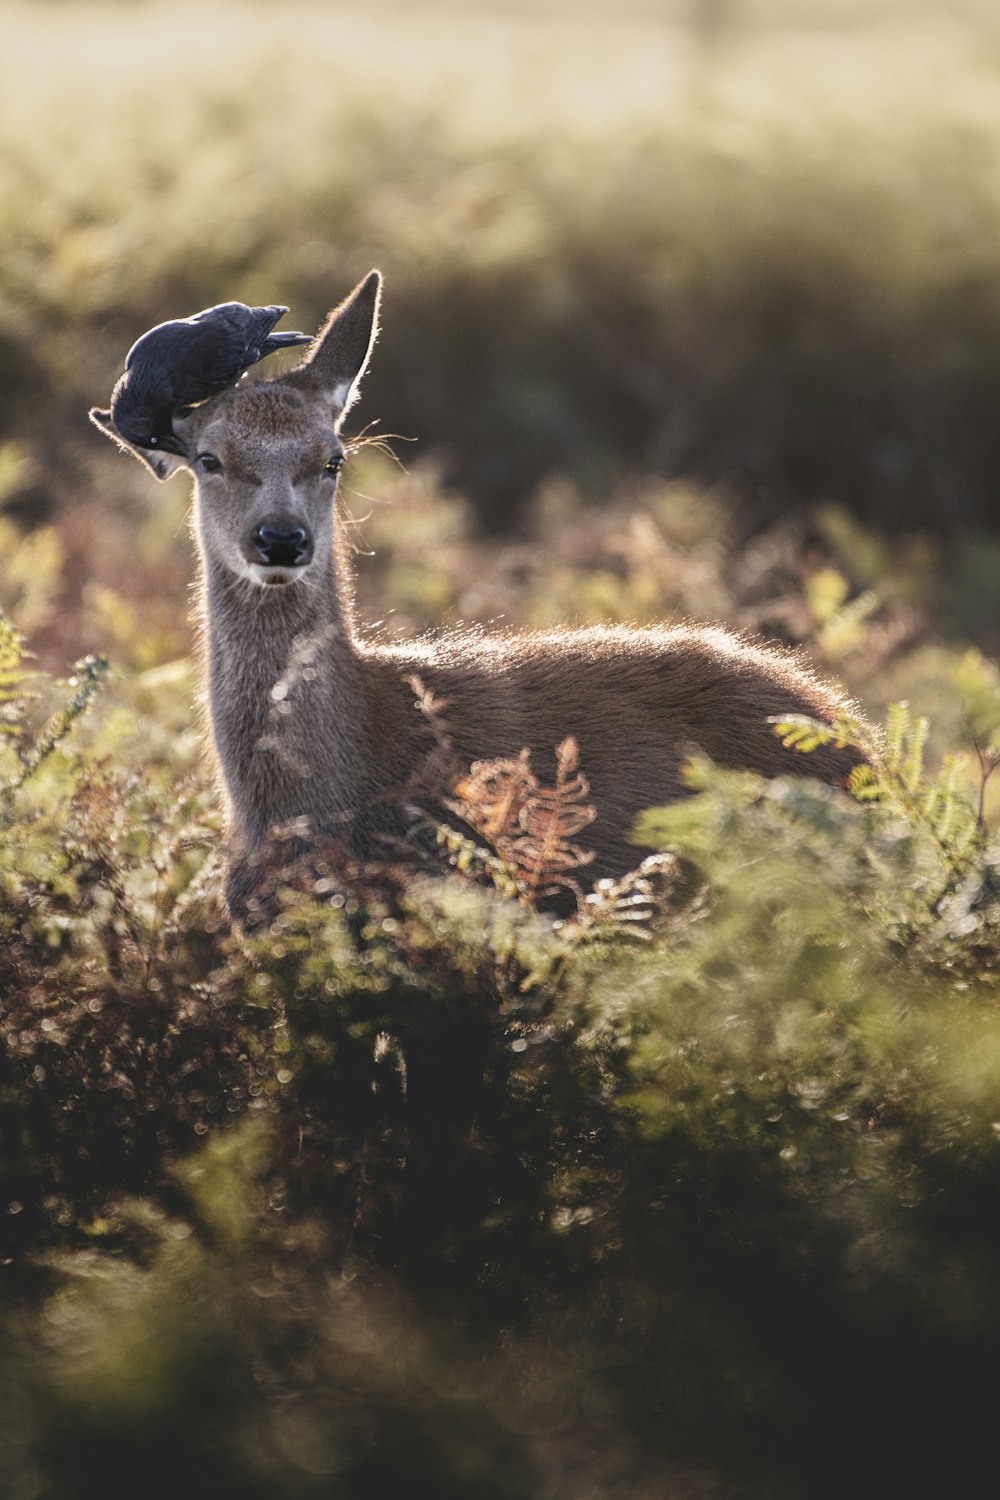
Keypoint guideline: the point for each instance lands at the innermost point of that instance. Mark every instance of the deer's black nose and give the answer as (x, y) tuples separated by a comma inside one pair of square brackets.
[(282, 549)]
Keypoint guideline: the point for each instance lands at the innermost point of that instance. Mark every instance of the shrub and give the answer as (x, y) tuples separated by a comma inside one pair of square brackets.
[(420, 1187)]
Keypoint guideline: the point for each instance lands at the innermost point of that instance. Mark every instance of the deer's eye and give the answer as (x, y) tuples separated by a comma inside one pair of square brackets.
[(209, 463), (335, 465)]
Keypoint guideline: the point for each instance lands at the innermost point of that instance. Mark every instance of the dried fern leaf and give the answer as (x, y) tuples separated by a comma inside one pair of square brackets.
[(491, 797), (551, 818)]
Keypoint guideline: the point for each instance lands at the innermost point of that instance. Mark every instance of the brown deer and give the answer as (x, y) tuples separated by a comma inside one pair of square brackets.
[(316, 724)]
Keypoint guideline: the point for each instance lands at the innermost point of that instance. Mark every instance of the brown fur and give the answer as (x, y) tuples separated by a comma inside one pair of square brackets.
[(312, 721)]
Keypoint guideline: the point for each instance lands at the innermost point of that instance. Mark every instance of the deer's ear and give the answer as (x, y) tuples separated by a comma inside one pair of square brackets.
[(161, 464), (338, 358)]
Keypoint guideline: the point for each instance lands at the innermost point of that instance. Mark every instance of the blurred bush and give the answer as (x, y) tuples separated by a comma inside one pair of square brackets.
[(419, 1188), (776, 269)]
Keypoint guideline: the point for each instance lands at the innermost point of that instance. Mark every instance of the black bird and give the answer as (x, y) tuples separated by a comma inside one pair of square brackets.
[(185, 361)]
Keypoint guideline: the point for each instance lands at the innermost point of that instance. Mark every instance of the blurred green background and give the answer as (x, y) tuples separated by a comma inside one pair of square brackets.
[(752, 244)]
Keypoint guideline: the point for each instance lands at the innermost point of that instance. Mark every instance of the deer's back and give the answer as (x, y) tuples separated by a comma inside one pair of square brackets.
[(638, 702)]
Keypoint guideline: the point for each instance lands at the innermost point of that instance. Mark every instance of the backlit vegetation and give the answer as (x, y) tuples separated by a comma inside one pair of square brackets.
[(461, 1178)]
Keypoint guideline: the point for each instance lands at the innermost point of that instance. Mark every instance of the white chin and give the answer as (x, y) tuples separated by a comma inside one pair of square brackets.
[(273, 577)]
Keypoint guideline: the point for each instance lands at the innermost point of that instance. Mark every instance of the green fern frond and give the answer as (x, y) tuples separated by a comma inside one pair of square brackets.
[(941, 805), (13, 678), (799, 732), (897, 730), (865, 785), (950, 815), (805, 734), (897, 777), (911, 767)]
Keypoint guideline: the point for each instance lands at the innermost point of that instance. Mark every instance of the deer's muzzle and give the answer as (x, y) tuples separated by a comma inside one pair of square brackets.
[(282, 547)]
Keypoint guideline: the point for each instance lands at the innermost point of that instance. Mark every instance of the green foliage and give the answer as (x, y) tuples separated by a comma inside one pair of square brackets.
[(420, 1188), (14, 678), (691, 1187), (30, 575), (938, 808)]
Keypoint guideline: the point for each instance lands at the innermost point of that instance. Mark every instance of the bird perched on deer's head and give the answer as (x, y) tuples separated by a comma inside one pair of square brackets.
[(180, 363)]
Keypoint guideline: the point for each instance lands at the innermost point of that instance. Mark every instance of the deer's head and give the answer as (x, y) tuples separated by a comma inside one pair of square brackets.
[(265, 454)]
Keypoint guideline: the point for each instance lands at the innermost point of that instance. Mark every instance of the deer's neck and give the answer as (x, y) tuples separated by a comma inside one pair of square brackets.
[(285, 698)]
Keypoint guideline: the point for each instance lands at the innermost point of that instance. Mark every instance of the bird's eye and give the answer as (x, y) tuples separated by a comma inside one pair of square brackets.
[(209, 463), (335, 465)]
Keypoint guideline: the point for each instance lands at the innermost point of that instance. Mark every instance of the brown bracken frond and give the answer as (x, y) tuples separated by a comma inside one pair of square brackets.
[(530, 826), (493, 795), (551, 818)]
